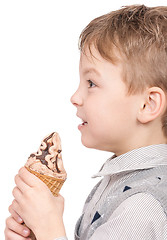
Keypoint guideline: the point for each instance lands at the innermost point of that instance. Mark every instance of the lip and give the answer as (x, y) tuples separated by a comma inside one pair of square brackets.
[(83, 124), (82, 119)]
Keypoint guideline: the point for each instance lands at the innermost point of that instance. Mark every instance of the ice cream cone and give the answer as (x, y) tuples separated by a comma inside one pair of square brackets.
[(54, 184)]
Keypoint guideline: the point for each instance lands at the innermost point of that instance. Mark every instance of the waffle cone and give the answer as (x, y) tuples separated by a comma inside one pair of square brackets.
[(54, 185)]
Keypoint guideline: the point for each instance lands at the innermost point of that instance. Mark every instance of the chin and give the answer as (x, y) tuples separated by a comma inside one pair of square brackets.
[(91, 144), (86, 142)]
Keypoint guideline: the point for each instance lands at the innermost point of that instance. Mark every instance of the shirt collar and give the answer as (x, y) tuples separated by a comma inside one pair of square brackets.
[(137, 159)]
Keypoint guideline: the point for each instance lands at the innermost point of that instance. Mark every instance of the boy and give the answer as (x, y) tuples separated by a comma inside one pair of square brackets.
[(122, 102)]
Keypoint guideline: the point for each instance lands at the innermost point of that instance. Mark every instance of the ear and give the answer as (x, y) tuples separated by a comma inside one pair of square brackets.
[(153, 105)]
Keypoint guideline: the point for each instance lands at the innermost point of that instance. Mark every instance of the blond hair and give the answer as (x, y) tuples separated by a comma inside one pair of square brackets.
[(139, 34)]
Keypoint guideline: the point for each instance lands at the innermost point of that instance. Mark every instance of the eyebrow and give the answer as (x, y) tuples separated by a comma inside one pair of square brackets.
[(91, 70)]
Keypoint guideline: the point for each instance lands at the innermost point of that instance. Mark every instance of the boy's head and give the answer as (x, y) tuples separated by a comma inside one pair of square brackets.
[(139, 35), (135, 38)]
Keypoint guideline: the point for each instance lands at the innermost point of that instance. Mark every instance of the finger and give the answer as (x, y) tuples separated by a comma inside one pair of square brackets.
[(13, 228), (21, 184), (17, 193), (15, 215), (10, 235), (60, 198), (16, 207), (29, 178)]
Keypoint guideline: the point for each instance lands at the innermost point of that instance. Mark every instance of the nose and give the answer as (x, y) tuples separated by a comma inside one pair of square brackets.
[(76, 98)]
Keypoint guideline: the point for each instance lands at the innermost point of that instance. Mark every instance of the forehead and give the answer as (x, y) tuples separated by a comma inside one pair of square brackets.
[(89, 65), (91, 54), (90, 59), (92, 62), (88, 55)]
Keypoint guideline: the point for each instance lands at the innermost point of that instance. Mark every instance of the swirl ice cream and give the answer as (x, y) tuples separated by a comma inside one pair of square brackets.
[(48, 159)]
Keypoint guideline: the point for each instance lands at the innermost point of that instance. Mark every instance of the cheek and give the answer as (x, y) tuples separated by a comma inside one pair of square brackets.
[(105, 114)]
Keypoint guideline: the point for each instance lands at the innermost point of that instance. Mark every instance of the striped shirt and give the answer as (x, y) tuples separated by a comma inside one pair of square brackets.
[(139, 216)]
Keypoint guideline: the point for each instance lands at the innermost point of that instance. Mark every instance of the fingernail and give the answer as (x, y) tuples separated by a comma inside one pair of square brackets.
[(25, 231), (20, 220)]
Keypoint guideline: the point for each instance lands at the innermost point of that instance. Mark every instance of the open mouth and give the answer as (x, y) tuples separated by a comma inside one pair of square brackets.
[(84, 123)]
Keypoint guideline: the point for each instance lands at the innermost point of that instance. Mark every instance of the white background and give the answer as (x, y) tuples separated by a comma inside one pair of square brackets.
[(38, 74)]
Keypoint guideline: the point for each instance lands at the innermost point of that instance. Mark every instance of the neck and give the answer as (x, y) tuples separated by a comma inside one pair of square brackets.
[(142, 138)]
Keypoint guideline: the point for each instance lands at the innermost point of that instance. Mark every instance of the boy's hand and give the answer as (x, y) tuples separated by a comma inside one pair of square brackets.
[(15, 231), (34, 202)]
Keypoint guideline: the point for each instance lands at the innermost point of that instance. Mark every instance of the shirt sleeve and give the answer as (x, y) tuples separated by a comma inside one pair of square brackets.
[(138, 217)]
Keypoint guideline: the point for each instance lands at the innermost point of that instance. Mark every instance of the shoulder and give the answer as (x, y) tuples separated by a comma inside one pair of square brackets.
[(141, 207), (138, 217)]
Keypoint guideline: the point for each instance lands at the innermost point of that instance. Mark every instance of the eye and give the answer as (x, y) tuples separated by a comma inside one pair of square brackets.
[(91, 84)]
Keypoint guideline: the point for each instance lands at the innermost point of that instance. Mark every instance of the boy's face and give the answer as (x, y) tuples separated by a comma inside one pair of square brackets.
[(108, 114)]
